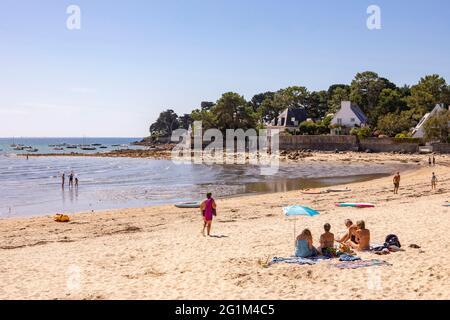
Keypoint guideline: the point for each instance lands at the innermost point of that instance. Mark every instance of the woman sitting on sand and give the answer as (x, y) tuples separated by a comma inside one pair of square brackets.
[(304, 245)]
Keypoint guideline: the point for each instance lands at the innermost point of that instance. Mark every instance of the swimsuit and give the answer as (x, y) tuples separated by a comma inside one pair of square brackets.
[(208, 211), (302, 249)]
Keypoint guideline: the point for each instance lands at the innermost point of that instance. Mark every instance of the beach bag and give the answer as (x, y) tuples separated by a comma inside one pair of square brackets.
[(62, 218), (392, 240)]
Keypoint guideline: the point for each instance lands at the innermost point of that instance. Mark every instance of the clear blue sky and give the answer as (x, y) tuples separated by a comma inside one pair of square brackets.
[(132, 59)]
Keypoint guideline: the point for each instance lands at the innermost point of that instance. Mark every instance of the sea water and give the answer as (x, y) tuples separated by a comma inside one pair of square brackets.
[(33, 186)]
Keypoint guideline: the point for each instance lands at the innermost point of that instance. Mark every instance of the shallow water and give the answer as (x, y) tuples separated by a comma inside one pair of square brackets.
[(33, 187)]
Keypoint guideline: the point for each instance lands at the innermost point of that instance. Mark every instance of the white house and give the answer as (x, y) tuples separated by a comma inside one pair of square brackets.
[(349, 116), (418, 131)]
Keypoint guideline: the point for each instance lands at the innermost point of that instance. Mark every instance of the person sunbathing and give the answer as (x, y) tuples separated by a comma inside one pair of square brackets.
[(304, 245), (350, 235), (326, 239), (362, 237)]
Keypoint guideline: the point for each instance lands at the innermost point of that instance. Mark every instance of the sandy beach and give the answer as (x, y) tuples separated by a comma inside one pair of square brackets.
[(160, 253)]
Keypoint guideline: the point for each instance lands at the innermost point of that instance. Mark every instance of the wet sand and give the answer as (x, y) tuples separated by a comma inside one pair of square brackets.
[(159, 252)]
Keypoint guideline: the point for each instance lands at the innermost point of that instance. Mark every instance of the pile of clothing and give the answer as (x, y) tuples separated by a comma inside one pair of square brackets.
[(391, 244)]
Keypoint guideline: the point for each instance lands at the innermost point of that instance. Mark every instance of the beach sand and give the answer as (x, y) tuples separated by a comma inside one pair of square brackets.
[(159, 252)]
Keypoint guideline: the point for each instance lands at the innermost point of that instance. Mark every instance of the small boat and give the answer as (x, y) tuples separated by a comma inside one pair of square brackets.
[(115, 145), (88, 148), (58, 149), (32, 150), (190, 205), (103, 147), (96, 144), (18, 148), (71, 146)]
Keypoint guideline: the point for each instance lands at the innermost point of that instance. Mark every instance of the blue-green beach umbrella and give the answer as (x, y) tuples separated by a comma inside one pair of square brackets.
[(297, 210)]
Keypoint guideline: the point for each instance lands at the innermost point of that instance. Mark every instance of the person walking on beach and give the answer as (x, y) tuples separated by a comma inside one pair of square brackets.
[(433, 181), (63, 179), (396, 181), (208, 209), (434, 161), (429, 161), (71, 179)]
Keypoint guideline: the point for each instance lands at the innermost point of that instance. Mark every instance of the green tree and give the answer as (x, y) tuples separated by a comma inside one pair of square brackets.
[(165, 124), (206, 105), (392, 124), (437, 127), (430, 91), (365, 91), (317, 105), (233, 112), (205, 116), (336, 95), (291, 97), (294, 97), (185, 121), (259, 98)]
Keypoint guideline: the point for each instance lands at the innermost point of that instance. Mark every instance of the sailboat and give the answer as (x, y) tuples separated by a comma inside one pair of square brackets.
[(14, 145), (87, 147)]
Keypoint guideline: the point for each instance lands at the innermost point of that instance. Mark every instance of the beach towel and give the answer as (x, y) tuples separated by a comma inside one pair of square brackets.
[(361, 264), (347, 257), (298, 260)]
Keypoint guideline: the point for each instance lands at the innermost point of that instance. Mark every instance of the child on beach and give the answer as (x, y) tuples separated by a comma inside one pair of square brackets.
[(396, 181), (326, 240), (208, 209), (433, 181)]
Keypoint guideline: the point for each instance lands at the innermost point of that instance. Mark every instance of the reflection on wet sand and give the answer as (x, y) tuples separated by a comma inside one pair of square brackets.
[(284, 185)]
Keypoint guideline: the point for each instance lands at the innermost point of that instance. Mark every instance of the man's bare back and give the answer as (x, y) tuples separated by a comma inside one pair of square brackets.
[(327, 240), (363, 237)]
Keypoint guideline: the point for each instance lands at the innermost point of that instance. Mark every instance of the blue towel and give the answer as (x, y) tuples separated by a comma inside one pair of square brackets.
[(298, 260), (361, 264), (346, 257)]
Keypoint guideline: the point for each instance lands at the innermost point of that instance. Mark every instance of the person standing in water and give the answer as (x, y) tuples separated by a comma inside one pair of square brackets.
[(433, 181), (396, 181), (71, 179), (76, 182), (208, 209), (63, 179)]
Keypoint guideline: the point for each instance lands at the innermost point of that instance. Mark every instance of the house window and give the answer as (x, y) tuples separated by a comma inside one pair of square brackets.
[(352, 119), (339, 121)]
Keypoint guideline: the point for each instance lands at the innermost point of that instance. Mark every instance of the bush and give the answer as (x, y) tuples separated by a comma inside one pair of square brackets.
[(361, 133), (311, 128)]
